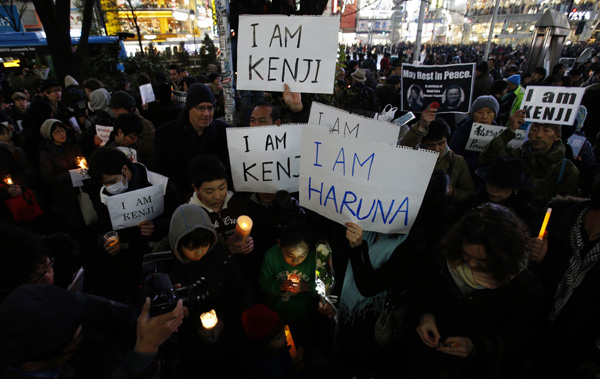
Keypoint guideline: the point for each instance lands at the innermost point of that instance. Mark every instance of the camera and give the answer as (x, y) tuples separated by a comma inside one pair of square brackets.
[(164, 297)]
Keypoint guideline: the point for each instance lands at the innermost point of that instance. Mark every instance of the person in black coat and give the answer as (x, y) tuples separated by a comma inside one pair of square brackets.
[(195, 133)]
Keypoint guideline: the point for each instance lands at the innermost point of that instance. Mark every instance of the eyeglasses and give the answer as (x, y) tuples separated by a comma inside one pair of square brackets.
[(38, 277), (202, 108), (59, 131)]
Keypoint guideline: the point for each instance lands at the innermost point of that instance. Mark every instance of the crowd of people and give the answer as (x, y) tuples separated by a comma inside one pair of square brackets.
[(483, 292)]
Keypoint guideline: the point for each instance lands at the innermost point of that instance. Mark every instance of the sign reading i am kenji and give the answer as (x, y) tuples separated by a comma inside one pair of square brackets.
[(265, 158), (340, 122), (300, 51), (378, 186), (552, 105)]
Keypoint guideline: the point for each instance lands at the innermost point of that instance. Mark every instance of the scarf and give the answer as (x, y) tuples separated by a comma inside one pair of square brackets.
[(352, 303), (578, 267)]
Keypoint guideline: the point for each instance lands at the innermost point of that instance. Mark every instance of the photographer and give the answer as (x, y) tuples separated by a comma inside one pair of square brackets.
[(48, 332), (200, 260)]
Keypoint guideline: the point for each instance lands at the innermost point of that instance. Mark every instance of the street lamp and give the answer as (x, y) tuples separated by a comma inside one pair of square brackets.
[(193, 18)]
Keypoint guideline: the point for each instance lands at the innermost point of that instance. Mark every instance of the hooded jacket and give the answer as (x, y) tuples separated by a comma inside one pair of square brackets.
[(543, 169), (186, 219)]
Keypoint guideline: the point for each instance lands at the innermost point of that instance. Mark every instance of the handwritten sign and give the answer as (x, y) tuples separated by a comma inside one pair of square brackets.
[(482, 134), (130, 208), (451, 86), (104, 133), (147, 93), (265, 159), (378, 186), (344, 123), (552, 105), (300, 51)]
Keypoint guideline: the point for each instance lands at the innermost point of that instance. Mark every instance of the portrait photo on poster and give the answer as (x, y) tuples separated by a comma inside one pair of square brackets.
[(451, 86)]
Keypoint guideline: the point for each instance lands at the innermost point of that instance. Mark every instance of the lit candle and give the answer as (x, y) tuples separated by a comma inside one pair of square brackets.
[(209, 319), (8, 180), (294, 278), (290, 342), (545, 223), (243, 226), (81, 162)]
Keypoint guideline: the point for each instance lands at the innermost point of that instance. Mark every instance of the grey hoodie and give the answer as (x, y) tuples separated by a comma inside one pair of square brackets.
[(186, 219)]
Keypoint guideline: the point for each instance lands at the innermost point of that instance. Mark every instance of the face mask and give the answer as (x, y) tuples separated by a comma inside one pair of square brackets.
[(118, 187)]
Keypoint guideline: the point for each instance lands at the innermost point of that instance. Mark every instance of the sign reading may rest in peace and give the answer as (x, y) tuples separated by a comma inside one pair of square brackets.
[(300, 51)]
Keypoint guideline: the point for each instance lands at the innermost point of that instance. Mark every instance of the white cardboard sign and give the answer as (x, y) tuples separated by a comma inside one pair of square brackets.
[(78, 175), (130, 208), (147, 93), (552, 105), (265, 159), (378, 186), (300, 51), (343, 123), (104, 133), (482, 134)]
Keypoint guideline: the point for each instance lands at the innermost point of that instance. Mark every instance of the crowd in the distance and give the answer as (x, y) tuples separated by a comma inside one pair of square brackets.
[(475, 290)]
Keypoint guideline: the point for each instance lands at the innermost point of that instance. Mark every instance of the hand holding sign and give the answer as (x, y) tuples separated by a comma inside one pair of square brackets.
[(354, 234), (292, 99), (516, 120), (427, 116)]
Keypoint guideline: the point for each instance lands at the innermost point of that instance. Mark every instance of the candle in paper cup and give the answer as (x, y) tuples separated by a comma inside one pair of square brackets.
[(8, 180), (112, 237), (290, 342), (209, 319), (294, 278), (243, 227)]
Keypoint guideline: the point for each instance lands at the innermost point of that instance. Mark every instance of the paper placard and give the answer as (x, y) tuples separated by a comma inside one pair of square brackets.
[(20, 125), (265, 159), (482, 134), (180, 96), (130, 153), (147, 93), (451, 86), (378, 186), (73, 122), (104, 133), (343, 123), (576, 142), (552, 105), (78, 175), (300, 51), (130, 208)]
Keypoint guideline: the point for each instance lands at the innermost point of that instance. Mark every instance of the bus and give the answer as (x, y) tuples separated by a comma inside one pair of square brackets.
[(30, 49)]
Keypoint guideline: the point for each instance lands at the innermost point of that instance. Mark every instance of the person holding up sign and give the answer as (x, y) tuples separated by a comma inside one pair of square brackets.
[(483, 111), (117, 175), (432, 133), (544, 158)]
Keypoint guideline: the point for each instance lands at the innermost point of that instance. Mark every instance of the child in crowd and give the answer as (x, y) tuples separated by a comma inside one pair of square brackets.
[(209, 181), (271, 358), (288, 274)]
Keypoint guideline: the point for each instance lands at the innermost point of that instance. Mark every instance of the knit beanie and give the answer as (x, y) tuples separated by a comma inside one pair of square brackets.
[(37, 322), (198, 93), (70, 81), (485, 101), (18, 95), (261, 323), (46, 129), (122, 99), (514, 79)]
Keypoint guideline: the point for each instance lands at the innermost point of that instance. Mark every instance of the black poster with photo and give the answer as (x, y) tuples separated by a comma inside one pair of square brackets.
[(451, 86)]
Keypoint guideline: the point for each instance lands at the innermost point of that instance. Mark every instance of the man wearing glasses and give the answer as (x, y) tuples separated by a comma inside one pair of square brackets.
[(195, 133)]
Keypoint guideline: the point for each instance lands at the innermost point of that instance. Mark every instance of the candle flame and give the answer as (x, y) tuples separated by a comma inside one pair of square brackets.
[(81, 162), (8, 180), (209, 319)]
